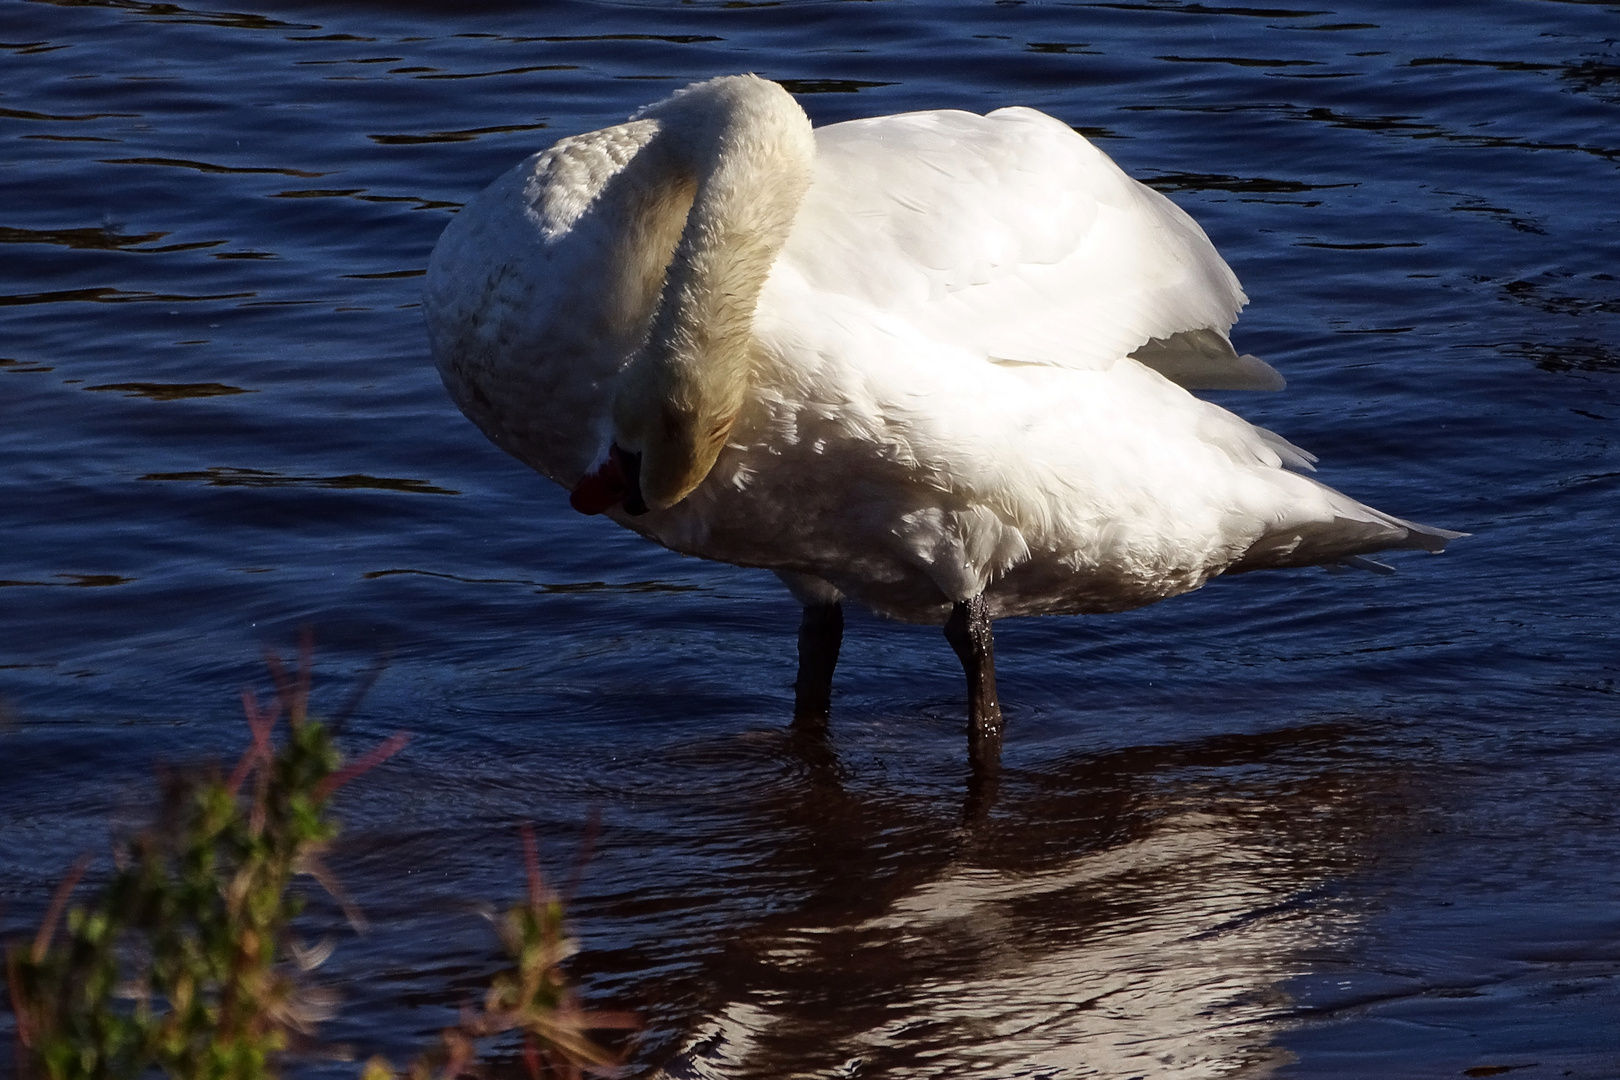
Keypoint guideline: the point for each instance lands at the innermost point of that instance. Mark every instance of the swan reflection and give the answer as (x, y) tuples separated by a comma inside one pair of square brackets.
[(1109, 917)]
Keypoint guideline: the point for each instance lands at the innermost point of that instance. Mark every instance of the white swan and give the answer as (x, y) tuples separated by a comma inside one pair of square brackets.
[(934, 362)]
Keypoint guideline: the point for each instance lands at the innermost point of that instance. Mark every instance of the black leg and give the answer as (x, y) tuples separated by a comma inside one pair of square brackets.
[(968, 631), (983, 786), (821, 631)]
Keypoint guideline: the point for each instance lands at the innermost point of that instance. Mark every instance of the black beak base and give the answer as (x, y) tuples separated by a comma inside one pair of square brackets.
[(634, 504)]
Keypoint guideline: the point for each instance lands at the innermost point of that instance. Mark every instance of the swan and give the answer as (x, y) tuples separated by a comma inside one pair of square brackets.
[(934, 363)]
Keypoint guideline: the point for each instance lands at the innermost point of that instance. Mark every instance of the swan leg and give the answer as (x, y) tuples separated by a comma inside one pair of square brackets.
[(968, 631), (821, 632)]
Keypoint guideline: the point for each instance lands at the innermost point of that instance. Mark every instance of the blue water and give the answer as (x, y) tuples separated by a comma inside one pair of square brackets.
[(1296, 823)]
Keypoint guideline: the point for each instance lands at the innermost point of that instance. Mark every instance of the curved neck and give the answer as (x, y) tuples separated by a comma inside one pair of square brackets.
[(746, 145)]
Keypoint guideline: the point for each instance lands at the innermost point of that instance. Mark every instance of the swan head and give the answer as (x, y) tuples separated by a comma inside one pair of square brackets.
[(623, 479), (661, 451), (673, 428)]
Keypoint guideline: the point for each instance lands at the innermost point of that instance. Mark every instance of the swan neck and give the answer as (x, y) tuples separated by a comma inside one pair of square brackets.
[(746, 146)]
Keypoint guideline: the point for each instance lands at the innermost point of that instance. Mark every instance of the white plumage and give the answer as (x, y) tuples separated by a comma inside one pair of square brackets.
[(937, 393)]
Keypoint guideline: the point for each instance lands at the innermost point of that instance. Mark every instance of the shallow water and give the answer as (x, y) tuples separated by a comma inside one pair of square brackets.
[(1296, 823)]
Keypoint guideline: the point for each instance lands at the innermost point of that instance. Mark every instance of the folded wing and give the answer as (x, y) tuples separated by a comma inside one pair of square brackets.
[(1011, 236)]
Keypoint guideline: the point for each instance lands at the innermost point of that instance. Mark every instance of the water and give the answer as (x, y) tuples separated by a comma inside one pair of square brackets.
[(1296, 823)]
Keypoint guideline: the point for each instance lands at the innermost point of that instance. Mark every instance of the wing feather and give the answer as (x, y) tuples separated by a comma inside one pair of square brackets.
[(1011, 236)]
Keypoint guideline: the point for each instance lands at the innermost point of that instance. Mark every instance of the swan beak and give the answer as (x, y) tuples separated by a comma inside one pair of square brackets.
[(616, 481)]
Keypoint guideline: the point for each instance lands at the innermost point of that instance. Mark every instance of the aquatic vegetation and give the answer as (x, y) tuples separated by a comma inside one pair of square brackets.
[(188, 961), (531, 996)]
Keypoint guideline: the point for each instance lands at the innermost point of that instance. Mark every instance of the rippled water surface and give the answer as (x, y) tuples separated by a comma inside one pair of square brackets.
[(1297, 823)]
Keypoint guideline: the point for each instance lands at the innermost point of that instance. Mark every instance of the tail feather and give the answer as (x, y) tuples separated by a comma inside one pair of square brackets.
[(1360, 562), (1424, 537), (1355, 530)]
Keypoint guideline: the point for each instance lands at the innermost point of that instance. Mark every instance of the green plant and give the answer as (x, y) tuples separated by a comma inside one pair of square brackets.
[(532, 996), (186, 961)]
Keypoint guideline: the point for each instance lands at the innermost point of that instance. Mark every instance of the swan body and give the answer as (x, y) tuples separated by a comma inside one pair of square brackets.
[(912, 360)]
